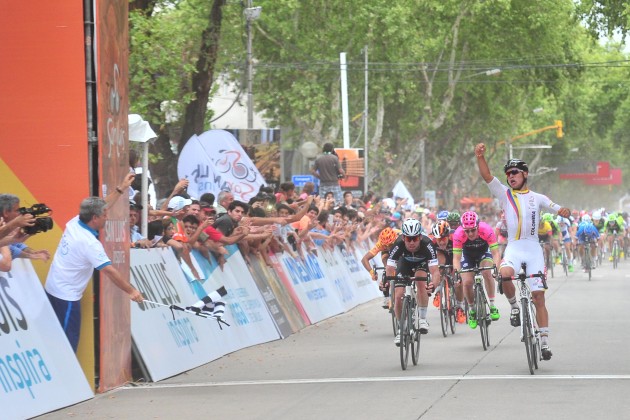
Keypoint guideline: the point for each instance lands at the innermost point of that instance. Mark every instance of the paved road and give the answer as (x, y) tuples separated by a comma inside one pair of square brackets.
[(348, 367)]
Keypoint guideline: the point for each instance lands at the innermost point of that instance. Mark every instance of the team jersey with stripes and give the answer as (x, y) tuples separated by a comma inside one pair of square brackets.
[(522, 210)]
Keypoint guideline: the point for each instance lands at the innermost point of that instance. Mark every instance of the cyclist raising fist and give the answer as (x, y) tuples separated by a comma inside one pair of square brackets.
[(522, 212)]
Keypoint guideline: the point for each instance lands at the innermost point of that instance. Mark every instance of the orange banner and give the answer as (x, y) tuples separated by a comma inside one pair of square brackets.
[(43, 135)]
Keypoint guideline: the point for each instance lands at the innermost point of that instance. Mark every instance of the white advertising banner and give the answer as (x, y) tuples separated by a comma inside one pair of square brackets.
[(246, 310), (318, 293), (169, 342), (39, 372), (215, 162)]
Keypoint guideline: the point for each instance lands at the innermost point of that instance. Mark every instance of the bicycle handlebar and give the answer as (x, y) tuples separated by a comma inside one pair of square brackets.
[(407, 278), (477, 269), (521, 277)]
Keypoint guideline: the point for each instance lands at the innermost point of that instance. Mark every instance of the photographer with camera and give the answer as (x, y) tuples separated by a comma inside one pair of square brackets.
[(30, 221), (80, 253)]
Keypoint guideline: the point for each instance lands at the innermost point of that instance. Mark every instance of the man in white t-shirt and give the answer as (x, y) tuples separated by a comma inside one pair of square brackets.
[(80, 253)]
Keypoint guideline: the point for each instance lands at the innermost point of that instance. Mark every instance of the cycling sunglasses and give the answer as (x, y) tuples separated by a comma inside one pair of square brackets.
[(471, 230), (412, 238), (513, 172)]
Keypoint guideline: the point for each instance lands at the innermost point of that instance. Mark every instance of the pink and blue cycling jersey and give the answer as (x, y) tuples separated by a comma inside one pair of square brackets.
[(477, 247)]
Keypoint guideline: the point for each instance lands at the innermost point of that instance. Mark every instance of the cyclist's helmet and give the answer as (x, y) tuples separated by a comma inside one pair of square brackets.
[(453, 219), (443, 215), (597, 216), (411, 227), (387, 236), (547, 217), (470, 220), (586, 218), (441, 229), (612, 219), (515, 164)]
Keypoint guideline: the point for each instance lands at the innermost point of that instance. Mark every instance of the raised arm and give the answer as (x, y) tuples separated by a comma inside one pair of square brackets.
[(484, 170), (120, 190)]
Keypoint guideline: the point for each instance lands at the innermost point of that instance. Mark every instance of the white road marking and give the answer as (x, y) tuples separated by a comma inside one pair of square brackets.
[(382, 379)]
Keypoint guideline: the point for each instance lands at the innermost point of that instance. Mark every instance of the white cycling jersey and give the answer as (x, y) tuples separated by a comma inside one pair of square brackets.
[(521, 209)]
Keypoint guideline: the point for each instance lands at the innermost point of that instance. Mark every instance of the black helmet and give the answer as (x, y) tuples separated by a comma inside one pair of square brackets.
[(515, 164)]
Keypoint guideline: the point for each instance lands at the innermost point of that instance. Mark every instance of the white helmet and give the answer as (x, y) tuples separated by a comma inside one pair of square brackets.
[(597, 215), (411, 227), (586, 218)]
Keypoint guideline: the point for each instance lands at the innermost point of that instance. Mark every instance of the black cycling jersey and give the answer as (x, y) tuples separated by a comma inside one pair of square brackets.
[(447, 252), (407, 262)]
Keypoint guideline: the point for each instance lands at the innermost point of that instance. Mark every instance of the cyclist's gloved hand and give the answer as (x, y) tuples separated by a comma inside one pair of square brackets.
[(373, 274)]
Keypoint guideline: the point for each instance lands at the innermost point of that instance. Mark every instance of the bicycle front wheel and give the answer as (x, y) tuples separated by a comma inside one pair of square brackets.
[(391, 308), (482, 316), (615, 254), (405, 336), (527, 334)]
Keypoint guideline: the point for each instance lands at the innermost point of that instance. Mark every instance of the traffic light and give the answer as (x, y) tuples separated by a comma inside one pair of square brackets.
[(559, 132)]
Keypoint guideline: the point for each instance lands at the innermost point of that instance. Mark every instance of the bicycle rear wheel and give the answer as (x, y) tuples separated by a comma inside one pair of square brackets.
[(391, 308), (615, 254), (444, 295), (452, 308), (482, 315), (527, 334), (405, 339), (565, 262), (549, 262), (587, 261), (415, 336), (536, 350)]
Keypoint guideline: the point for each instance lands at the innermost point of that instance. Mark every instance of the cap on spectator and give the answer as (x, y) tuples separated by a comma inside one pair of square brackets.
[(134, 205), (396, 216), (178, 203)]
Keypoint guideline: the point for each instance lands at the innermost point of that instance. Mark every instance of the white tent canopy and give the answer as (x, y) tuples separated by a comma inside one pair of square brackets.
[(400, 190)]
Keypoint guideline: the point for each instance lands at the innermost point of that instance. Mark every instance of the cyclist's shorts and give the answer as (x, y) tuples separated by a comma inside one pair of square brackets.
[(408, 268), (544, 238), (471, 261), (583, 240), (530, 253)]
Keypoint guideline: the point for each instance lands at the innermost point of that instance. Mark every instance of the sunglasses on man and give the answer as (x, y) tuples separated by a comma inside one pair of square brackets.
[(513, 172), (412, 238)]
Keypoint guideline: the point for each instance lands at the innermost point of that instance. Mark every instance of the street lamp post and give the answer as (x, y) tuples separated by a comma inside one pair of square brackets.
[(251, 14)]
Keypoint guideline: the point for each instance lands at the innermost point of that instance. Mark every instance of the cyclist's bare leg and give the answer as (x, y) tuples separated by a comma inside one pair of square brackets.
[(542, 316), (467, 285), (399, 292), (508, 286), (459, 291), (421, 290), (488, 280)]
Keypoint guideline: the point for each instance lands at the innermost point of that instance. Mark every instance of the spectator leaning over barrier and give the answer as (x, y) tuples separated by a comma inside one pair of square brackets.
[(328, 169), (194, 208), (198, 239), (79, 253), (10, 211), (179, 205), (223, 202)]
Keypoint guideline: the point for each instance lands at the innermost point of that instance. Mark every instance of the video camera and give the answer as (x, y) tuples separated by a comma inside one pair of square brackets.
[(42, 223)]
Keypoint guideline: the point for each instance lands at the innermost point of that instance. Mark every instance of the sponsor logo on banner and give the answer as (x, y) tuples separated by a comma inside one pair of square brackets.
[(38, 369), (213, 162)]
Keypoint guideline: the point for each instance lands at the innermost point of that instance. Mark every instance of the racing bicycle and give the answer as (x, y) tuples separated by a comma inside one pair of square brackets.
[(481, 305), (530, 333), (448, 304), (408, 325)]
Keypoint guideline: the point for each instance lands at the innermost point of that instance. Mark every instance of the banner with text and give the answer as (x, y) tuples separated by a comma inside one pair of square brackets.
[(38, 369)]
